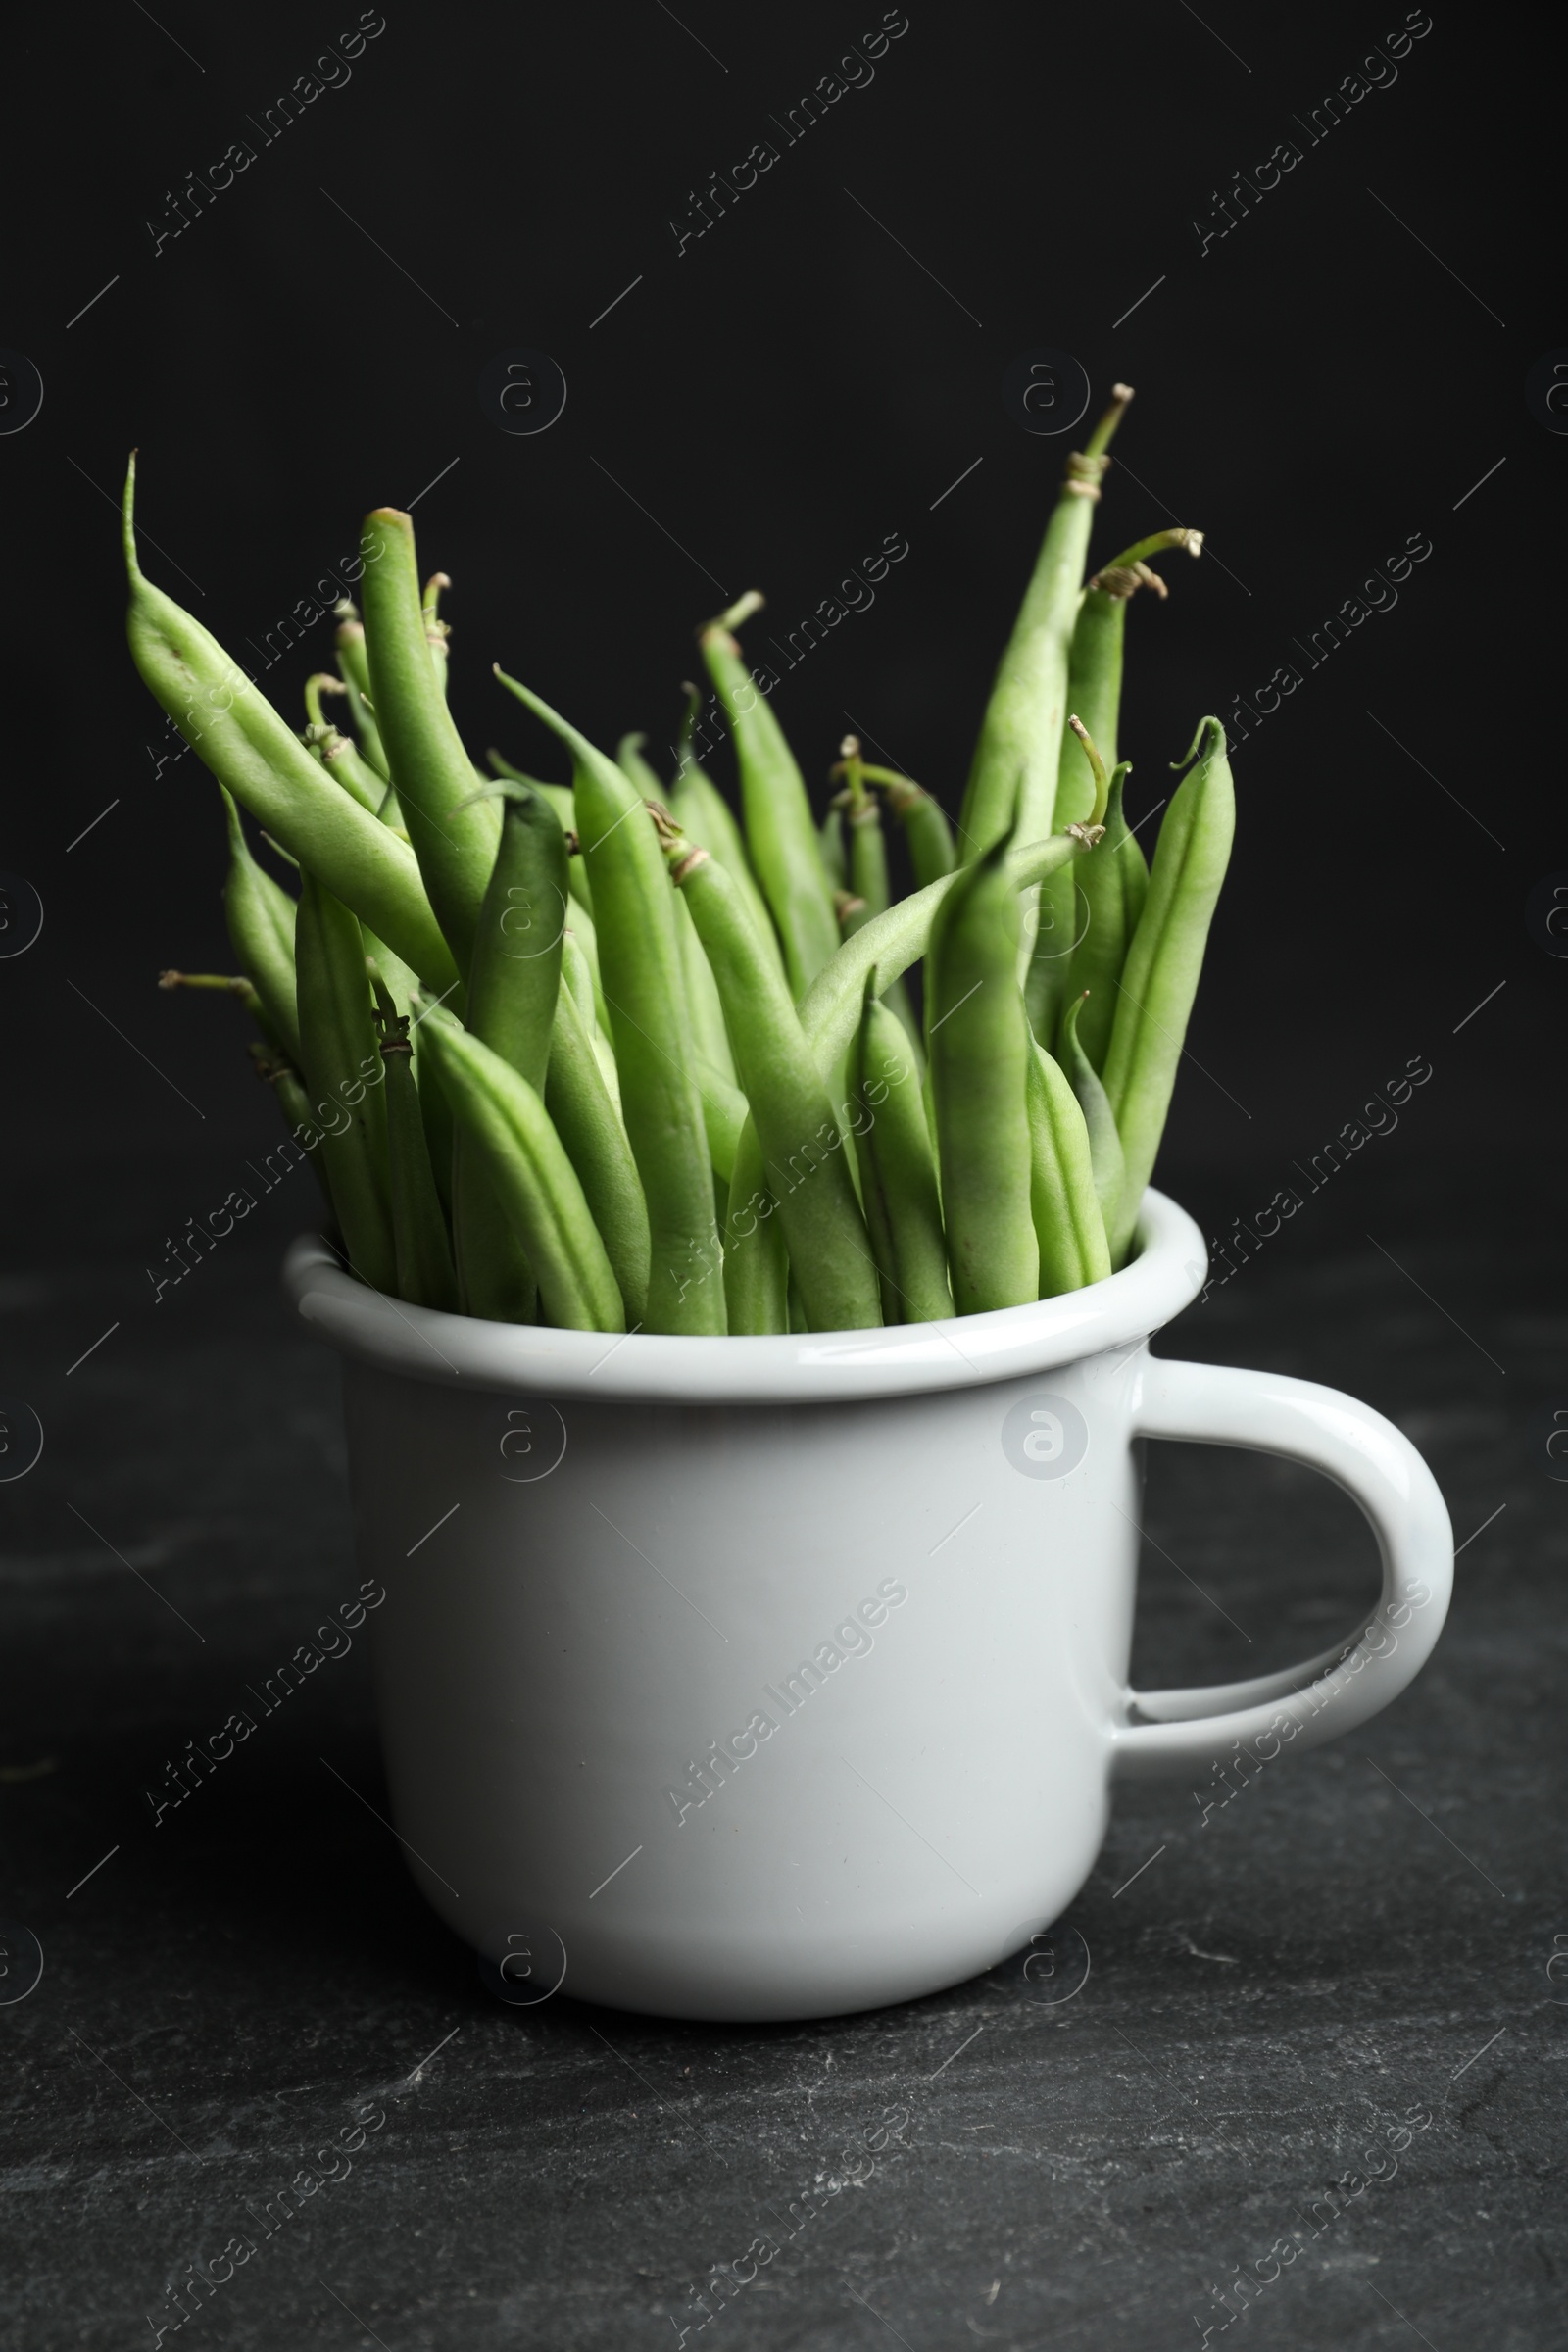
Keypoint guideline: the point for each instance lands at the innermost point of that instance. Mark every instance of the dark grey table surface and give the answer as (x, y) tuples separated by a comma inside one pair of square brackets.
[(1345, 1976)]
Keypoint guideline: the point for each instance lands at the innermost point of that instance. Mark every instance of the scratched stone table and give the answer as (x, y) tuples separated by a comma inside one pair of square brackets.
[(1320, 2047)]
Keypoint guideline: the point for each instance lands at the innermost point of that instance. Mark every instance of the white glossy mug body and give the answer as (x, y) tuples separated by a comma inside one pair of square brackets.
[(773, 1677)]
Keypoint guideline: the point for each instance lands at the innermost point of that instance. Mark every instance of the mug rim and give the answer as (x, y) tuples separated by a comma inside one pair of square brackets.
[(425, 1343)]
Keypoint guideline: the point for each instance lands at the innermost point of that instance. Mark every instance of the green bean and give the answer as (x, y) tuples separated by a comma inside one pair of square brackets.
[(1104, 1143), (979, 1052), (803, 1147), (513, 984), (536, 1183), (780, 831), (422, 1250), (1060, 914), (756, 1263), (454, 836), (724, 1114), (704, 815), (562, 802), (587, 1118), (1164, 962), (925, 825), (576, 973), (703, 1005), (1095, 677), (1012, 778), (1068, 1224), (830, 1011), (345, 1070), (1113, 882), (868, 873), (341, 761), (437, 632), (639, 956), (355, 667), (710, 1032), (251, 748), (897, 1171), (515, 972), (581, 929), (261, 918)]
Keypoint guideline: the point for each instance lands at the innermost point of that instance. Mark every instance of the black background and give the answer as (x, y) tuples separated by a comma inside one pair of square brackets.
[(1313, 390)]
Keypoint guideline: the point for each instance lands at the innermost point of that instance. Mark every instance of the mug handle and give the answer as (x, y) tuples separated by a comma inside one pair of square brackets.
[(1165, 1733)]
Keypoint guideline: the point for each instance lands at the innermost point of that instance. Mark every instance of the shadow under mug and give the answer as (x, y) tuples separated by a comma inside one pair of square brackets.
[(773, 1677)]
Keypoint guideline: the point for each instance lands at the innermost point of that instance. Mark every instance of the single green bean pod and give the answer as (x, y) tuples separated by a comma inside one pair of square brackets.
[(780, 831), (261, 918), (343, 1065), (453, 835), (1068, 1225), (802, 1146), (513, 983), (979, 1051), (709, 1034), (1164, 963), (501, 1115), (587, 1118), (1012, 778), (1056, 924), (898, 1170), (425, 1273), (250, 747), (353, 664), (757, 1262), (1114, 882), (645, 990), (1104, 1143), (581, 930), (925, 825), (724, 1113)]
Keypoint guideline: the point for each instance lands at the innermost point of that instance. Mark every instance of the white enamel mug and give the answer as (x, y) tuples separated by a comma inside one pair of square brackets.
[(773, 1677)]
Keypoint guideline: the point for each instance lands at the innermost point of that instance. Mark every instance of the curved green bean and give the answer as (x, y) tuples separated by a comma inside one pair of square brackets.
[(1068, 1225), (534, 1180), (979, 1048), (1160, 980), (639, 956), (453, 835), (780, 830), (251, 748), (1012, 777), (897, 1171)]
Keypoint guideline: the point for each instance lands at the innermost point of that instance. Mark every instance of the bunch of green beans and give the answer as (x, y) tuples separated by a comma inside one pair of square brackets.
[(599, 1052)]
